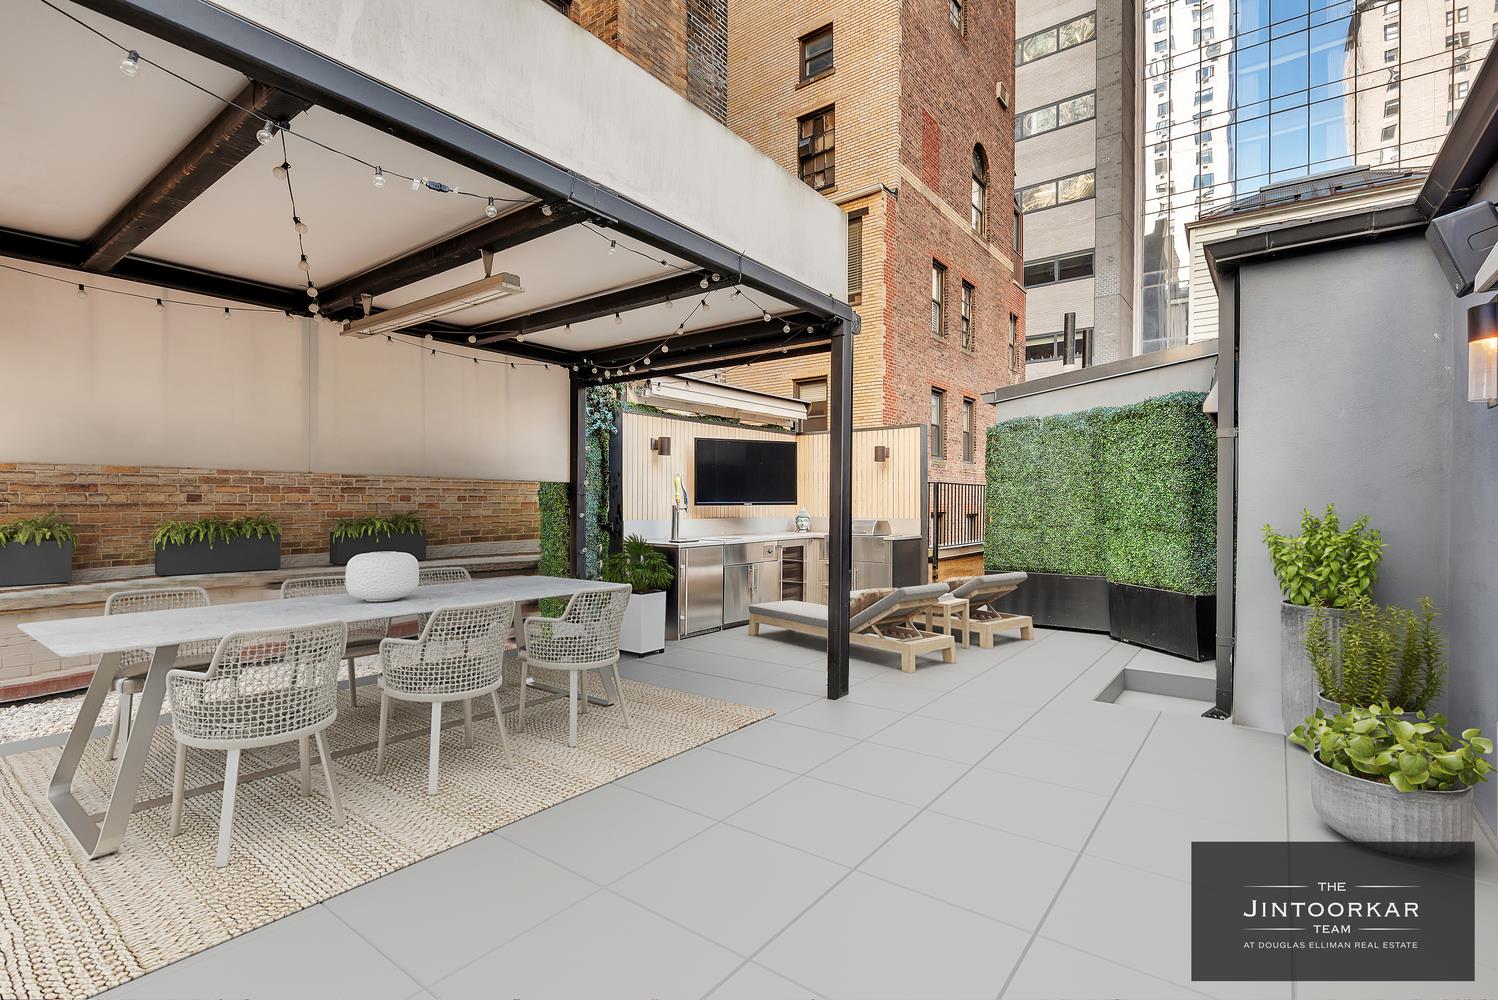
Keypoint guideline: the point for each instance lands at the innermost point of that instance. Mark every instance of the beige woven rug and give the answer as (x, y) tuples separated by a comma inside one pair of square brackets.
[(70, 927)]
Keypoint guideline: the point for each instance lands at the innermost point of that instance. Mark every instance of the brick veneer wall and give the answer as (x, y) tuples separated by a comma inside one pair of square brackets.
[(682, 43), (115, 509)]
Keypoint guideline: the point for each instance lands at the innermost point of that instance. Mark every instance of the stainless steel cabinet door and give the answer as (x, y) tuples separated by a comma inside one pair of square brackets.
[(738, 593), (766, 582)]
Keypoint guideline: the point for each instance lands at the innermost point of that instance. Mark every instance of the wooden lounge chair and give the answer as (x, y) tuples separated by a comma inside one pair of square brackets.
[(983, 619), (886, 623)]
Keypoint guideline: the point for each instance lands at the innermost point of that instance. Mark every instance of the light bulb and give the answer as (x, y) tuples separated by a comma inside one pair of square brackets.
[(547, 210), (519, 338), (266, 134), (645, 362), (574, 367), (303, 263), (427, 338), (786, 328), (379, 177), (706, 306), (717, 276), (670, 304), (311, 291), (702, 283), (300, 226), (595, 370), (417, 182), (665, 348), (226, 314), (280, 171), (618, 319), (613, 245), (473, 339), (631, 369), (82, 292), (160, 306), (567, 328), (130, 65), (767, 317), (491, 209), (314, 308)]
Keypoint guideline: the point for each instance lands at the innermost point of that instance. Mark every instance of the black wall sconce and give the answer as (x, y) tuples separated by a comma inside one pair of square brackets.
[(661, 446), (1482, 353), (881, 453)]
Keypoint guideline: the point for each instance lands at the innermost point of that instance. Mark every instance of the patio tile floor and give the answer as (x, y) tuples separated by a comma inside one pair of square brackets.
[(936, 839)]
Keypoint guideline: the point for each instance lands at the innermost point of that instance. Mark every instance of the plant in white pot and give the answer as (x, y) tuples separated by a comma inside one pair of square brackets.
[(1394, 784), (1325, 565), (1388, 654), (648, 573)]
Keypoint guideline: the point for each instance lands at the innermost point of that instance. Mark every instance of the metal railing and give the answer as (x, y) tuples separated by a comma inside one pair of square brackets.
[(956, 517)]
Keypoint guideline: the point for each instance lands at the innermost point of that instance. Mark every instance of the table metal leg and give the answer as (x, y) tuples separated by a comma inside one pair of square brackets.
[(100, 839)]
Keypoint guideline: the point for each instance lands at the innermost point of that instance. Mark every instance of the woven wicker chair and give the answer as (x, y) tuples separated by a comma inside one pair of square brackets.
[(363, 637), (262, 688), (433, 575), (130, 680), (459, 656), (583, 640)]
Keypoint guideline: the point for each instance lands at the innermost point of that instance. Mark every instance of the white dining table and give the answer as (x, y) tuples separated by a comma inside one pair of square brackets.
[(163, 632)]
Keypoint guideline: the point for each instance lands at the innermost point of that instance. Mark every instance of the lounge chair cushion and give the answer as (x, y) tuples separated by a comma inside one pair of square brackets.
[(860, 600), (804, 612), (931, 592), (979, 585)]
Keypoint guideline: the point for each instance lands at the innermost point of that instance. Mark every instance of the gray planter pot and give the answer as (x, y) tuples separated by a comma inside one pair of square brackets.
[(35, 563), (1409, 824), (340, 552), (1298, 685), (1334, 708), (238, 555)]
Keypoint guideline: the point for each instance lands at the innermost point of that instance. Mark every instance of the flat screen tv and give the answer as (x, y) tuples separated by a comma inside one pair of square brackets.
[(733, 472)]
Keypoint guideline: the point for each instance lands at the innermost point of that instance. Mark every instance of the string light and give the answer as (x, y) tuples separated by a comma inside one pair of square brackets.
[(130, 65), (613, 245), (519, 338), (280, 171), (546, 210), (670, 304), (767, 317), (472, 339), (786, 328), (82, 292), (702, 283), (161, 306), (706, 306), (311, 291), (266, 133), (618, 319), (226, 314), (299, 226), (491, 209), (314, 308), (379, 177), (417, 182), (717, 276)]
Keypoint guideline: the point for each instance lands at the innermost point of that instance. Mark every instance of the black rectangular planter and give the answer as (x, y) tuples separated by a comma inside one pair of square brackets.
[(1183, 624), (340, 552), (238, 555), (1056, 600), (34, 564)]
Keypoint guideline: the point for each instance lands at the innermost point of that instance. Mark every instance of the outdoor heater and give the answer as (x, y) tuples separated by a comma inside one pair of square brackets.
[(1482, 353)]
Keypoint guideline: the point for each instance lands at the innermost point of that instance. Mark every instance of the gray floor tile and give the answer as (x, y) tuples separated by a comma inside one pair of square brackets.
[(287, 959), (1091, 724), (1052, 971), (794, 748), (730, 886), (755, 982), (1096, 771), (1483, 987), (1196, 760), (951, 740), (891, 694), (843, 718), (998, 874), (913, 778), (704, 781), (719, 664), (605, 833), (860, 939), (1004, 717), (742, 693), (604, 946), (829, 821), (1159, 840), (436, 915), (1032, 808)]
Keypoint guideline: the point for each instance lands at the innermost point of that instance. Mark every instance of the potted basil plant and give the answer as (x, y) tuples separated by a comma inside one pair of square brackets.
[(35, 551), (379, 533), (217, 545), (648, 573), (1398, 785), (1324, 565)]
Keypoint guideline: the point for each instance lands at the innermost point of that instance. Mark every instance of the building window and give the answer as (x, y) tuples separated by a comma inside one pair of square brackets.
[(938, 423), (1053, 269), (1056, 39), (1048, 118), (1391, 31), (1019, 225), (955, 14), (980, 190), (1387, 134), (1392, 55), (1459, 40), (813, 392), (816, 53), (967, 430), (938, 297), (1013, 336), (968, 291), (1062, 191), (815, 149), (1050, 346), (855, 256), (1459, 90), (1391, 107)]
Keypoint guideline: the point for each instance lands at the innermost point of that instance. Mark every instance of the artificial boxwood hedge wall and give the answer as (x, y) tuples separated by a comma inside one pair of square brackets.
[(1125, 492)]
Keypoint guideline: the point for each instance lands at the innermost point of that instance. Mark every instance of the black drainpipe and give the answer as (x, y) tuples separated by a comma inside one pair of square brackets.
[(1227, 486)]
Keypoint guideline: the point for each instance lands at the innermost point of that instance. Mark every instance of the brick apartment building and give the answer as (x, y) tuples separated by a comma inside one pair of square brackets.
[(899, 114)]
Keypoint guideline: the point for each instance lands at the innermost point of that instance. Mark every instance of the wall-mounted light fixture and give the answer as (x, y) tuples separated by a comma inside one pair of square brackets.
[(881, 453), (1482, 353), (661, 446)]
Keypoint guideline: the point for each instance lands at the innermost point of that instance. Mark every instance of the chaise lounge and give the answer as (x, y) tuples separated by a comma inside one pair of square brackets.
[(879, 620), (982, 618)]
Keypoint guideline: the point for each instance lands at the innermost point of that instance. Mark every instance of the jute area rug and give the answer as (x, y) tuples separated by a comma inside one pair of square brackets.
[(70, 927)]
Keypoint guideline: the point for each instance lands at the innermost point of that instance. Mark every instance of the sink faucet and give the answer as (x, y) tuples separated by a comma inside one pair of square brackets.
[(676, 512)]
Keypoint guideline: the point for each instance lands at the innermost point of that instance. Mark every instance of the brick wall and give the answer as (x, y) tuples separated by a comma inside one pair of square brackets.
[(682, 43), (115, 509)]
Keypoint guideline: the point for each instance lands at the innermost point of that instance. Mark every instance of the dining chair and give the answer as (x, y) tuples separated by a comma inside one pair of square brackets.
[(431, 575), (583, 640), (130, 680), (263, 687), (459, 656), (363, 637)]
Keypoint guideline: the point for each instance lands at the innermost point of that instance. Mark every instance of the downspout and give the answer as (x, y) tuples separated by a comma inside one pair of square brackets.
[(1227, 487)]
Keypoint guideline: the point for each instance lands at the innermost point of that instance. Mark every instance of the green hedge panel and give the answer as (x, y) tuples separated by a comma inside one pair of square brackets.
[(1042, 504)]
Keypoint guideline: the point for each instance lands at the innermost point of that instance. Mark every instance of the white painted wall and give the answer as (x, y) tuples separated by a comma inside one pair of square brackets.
[(113, 380), (524, 72)]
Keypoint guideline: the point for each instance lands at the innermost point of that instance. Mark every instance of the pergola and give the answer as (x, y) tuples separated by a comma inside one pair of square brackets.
[(620, 280)]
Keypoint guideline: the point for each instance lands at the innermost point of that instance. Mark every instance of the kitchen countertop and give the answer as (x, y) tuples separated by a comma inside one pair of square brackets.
[(691, 543)]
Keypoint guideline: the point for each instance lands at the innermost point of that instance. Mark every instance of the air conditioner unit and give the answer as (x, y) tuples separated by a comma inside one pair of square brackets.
[(1001, 91)]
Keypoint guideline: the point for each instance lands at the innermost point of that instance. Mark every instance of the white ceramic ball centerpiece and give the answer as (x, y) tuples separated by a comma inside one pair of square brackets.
[(382, 576)]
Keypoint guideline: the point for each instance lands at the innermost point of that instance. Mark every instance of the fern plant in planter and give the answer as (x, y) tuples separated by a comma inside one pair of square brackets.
[(648, 573), (217, 545), (35, 551), (377, 533)]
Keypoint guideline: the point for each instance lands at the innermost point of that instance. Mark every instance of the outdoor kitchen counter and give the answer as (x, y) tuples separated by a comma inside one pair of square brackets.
[(783, 536)]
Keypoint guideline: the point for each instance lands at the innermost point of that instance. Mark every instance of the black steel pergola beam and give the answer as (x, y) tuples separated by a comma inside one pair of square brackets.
[(71, 254), (261, 54), (220, 146), (509, 230), (596, 307), (752, 333), (742, 356)]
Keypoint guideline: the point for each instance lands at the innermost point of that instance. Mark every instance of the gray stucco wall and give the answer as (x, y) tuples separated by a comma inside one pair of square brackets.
[(1346, 398)]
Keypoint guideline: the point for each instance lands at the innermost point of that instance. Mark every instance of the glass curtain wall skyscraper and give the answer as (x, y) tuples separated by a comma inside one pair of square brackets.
[(1241, 94)]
